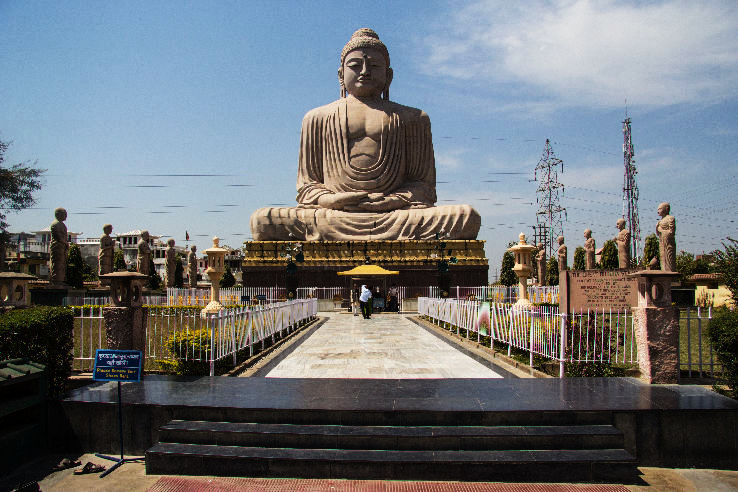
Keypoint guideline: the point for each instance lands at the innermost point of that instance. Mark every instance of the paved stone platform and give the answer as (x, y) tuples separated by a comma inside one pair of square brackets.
[(387, 346)]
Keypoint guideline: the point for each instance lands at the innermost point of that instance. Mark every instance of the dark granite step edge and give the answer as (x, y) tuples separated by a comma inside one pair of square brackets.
[(412, 431)]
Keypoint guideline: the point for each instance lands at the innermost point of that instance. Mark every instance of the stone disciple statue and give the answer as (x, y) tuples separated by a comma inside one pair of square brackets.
[(562, 254), (623, 242), (366, 165), (541, 263), (666, 230), (59, 248), (192, 266), (107, 251), (144, 254), (170, 257), (589, 250)]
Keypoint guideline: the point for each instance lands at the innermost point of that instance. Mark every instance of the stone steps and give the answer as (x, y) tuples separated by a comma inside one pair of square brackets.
[(505, 452)]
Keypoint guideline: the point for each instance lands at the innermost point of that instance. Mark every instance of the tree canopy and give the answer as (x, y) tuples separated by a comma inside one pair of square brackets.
[(228, 279), (552, 271), (579, 261), (651, 249), (609, 256), (507, 276), (17, 185), (726, 264)]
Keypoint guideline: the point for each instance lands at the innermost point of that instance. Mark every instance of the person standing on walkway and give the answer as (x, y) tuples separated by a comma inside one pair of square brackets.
[(365, 299)]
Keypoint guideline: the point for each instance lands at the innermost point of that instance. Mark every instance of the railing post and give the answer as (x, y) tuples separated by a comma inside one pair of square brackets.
[(530, 343), (212, 345), (562, 346)]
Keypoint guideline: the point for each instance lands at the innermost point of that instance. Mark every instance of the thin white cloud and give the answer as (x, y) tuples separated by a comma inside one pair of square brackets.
[(573, 53), (449, 159)]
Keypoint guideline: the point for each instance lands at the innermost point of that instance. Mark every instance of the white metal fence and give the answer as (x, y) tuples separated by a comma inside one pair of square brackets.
[(199, 339), (593, 336), (699, 359)]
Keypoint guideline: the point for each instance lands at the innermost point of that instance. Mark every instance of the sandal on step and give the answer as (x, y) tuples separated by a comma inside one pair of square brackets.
[(90, 467), (66, 463)]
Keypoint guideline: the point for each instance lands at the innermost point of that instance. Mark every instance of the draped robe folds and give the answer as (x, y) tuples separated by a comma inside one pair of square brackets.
[(405, 168), (666, 230)]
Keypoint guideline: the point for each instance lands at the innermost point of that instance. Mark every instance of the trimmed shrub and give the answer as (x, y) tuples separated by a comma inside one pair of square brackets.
[(42, 334), (191, 352), (723, 334)]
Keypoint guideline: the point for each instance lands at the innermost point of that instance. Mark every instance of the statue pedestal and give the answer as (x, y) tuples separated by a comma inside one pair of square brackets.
[(264, 265), (657, 327), (126, 320), (125, 327), (50, 295), (14, 289)]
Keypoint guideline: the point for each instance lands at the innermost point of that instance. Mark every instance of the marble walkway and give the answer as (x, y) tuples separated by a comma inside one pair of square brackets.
[(387, 346)]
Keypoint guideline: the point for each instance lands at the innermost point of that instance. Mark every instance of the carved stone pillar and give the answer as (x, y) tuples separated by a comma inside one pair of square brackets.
[(126, 319), (14, 289), (657, 327)]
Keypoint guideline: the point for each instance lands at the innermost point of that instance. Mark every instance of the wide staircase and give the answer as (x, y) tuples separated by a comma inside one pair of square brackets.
[(509, 446)]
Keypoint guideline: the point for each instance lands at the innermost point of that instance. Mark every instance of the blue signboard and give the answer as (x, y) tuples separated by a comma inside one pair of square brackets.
[(117, 365)]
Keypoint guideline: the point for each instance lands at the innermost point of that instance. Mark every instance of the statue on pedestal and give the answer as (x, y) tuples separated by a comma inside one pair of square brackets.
[(366, 165), (666, 231), (107, 251), (58, 248), (170, 257), (589, 250), (541, 263), (623, 242), (192, 266), (144, 254), (562, 254)]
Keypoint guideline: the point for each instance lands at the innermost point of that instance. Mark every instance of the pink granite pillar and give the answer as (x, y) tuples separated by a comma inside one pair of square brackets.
[(657, 327)]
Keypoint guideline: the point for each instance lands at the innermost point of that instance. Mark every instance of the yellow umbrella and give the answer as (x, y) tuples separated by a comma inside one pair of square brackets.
[(366, 270)]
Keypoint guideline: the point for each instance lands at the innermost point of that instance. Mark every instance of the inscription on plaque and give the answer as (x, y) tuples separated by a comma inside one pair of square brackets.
[(581, 290)]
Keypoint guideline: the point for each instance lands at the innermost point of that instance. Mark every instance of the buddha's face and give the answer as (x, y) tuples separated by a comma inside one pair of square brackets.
[(365, 72)]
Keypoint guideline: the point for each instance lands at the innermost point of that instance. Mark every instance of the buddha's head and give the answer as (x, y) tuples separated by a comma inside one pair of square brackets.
[(365, 66), (60, 214), (620, 224), (560, 240), (145, 236), (107, 229), (170, 243), (664, 209), (587, 233), (193, 248)]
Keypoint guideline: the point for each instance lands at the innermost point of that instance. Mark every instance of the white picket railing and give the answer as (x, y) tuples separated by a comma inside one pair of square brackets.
[(229, 331), (594, 336)]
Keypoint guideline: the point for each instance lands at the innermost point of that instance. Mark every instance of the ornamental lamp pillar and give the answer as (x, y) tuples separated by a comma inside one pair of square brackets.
[(523, 268), (215, 271)]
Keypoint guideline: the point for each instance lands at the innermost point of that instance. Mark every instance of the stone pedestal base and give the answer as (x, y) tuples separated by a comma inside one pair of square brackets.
[(264, 264), (657, 333), (49, 296), (125, 327)]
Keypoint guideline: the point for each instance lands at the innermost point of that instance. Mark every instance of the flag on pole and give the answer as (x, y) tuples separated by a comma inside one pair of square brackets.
[(187, 236)]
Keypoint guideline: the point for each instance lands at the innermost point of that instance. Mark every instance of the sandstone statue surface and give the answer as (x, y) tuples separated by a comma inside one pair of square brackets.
[(366, 165), (143, 259), (541, 264), (170, 258), (589, 250), (562, 254), (623, 242), (192, 266), (107, 251), (58, 248), (666, 231)]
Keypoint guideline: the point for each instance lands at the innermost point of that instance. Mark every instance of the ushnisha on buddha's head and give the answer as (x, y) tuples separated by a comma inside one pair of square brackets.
[(365, 66)]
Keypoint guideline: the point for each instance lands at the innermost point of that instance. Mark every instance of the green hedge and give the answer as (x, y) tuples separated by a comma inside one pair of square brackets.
[(184, 346), (42, 334), (723, 334)]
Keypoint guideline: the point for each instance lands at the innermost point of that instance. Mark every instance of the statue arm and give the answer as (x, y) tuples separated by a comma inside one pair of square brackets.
[(310, 180), (419, 189)]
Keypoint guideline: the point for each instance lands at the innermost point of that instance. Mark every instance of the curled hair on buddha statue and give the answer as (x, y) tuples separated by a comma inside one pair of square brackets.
[(365, 38)]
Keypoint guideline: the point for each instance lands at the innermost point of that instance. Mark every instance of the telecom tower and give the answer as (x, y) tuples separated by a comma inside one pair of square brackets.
[(630, 191), (549, 224)]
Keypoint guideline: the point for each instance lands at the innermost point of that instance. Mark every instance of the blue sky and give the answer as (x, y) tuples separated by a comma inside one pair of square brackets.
[(106, 95)]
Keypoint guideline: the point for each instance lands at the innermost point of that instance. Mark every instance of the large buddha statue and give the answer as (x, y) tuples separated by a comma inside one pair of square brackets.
[(366, 165)]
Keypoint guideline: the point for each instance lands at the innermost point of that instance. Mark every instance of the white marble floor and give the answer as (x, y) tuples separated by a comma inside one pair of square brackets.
[(387, 346)]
